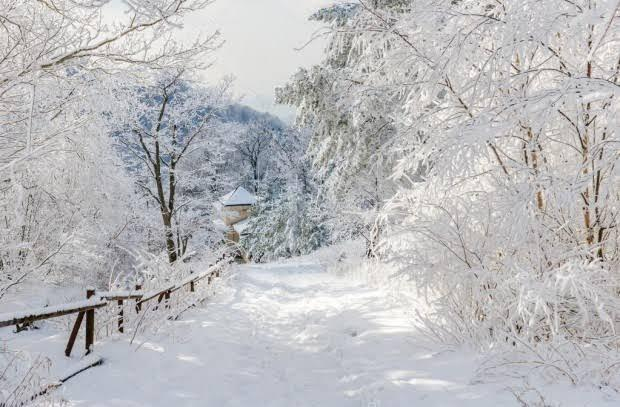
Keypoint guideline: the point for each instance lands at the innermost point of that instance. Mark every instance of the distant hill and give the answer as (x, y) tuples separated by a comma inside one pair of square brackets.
[(238, 113), (234, 113)]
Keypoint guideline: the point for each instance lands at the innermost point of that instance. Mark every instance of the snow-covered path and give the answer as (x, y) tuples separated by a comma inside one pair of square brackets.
[(285, 335)]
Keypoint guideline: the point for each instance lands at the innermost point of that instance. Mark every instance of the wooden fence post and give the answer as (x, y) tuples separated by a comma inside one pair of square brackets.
[(90, 323), (138, 303), (74, 333), (121, 329), (160, 298), (167, 297)]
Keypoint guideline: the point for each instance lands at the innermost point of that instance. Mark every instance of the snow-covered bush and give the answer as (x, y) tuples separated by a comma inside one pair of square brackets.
[(514, 225), (22, 378), (66, 204), (290, 225), (505, 150), (353, 126), (291, 217)]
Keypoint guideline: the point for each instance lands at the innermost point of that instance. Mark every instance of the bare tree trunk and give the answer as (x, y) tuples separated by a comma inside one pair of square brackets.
[(163, 151)]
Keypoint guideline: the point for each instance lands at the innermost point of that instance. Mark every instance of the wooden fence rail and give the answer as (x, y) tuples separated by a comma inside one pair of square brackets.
[(86, 309), (26, 317)]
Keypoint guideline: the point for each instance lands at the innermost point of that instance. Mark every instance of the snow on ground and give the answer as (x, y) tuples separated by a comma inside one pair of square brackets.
[(285, 334)]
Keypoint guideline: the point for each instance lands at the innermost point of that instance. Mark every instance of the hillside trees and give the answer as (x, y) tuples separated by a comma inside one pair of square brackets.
[(290, 218), (171, 122), (353, 120), (253, 148), (528, 131), (267, 157), (63, 195), (505, 145)]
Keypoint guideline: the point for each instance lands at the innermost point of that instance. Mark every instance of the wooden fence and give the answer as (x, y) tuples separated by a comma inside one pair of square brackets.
[(94, 300)]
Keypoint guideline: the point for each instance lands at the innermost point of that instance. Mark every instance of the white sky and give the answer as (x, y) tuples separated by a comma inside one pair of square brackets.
[(261, 37)]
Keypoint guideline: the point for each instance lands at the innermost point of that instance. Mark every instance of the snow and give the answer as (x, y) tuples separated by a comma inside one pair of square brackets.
[(281, 335), (197, 277), (38, 294), (9, 316), (120, 293), (220, 226), (241, 226), (240, 196)]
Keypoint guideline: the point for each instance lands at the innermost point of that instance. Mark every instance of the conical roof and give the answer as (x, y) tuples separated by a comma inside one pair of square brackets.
[(239, 197)]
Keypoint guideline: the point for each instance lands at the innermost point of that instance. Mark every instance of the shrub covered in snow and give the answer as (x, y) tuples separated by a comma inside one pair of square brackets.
[(498, 122), (290, 225)]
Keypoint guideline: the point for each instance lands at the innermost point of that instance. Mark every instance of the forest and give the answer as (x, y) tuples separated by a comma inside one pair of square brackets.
[(459, 156)]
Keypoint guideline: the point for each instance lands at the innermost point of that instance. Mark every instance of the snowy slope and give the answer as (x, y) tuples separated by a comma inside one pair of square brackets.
[(292, 334), (284, 335), (288, 335)]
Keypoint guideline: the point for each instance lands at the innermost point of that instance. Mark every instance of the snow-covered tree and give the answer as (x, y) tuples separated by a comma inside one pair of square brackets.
[(515, 120), (288, 225), (290, 222), (352, 115), (503, 134), (290, 218), (63, 193), (168, 124), (253, 148)]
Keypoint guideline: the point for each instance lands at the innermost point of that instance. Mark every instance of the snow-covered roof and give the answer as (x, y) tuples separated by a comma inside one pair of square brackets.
[(240, 196)]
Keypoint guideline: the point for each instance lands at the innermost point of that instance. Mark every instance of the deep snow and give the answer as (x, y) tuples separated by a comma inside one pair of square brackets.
[(285, 335), (288, 334)]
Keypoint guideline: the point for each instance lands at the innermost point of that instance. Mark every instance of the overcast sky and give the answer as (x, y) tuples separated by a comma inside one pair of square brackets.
[(261, 37)]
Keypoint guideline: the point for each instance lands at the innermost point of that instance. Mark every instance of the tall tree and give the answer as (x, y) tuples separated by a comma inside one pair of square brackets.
[(170, 121), (57, 62), (254, 147), (290, 220), (498, 111), (353, 118)]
